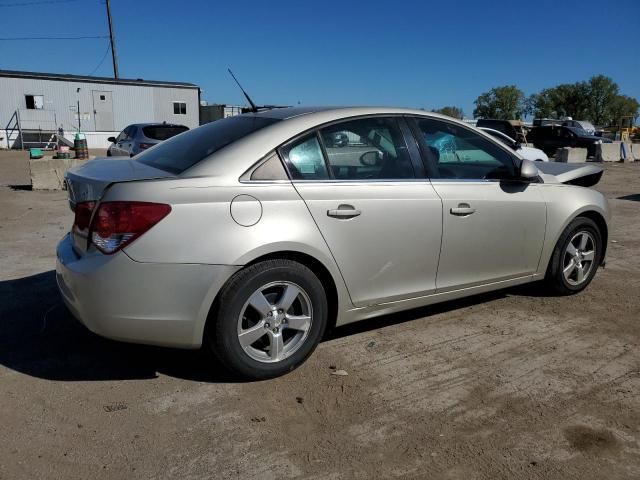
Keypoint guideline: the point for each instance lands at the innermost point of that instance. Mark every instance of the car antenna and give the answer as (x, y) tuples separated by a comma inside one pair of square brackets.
[(246, 95)]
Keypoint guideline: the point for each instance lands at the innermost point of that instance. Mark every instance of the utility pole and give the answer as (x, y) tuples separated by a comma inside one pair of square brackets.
[(114, 56)]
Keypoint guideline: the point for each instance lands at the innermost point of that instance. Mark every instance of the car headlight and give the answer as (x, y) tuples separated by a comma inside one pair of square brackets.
[(598, 142)]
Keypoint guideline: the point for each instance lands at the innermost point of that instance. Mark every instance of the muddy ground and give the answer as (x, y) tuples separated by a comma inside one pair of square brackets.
[(514, 384)]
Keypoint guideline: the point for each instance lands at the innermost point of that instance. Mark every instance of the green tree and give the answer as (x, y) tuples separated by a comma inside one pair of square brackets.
[(455, 112), (504, 103), (624, 106), (603, 95), (565, 100)]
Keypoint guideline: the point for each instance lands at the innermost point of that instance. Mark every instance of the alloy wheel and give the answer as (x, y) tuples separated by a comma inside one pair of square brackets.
[(275, 321), (578, 258)]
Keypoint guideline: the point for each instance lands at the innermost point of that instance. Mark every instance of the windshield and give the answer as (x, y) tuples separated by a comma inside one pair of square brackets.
[(587, 126), (185, 150)]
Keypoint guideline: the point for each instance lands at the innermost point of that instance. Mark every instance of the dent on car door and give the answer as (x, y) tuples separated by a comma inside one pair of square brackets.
[(381, 223), (493, 224)]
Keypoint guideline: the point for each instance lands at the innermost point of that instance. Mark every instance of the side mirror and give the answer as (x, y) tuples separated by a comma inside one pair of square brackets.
[(528, 170), (370, 158), (111, 139)]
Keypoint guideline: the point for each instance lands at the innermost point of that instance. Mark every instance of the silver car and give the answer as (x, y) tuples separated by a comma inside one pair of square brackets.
[(255, 234), (139, 137)]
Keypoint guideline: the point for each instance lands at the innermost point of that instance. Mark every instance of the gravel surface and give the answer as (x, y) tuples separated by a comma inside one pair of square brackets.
[(514, 384)]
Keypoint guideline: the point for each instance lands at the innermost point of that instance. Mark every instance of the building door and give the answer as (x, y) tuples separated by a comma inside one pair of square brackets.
[(102, 111)]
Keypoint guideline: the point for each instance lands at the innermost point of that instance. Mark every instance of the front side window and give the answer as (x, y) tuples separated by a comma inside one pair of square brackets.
[(179, 108), (457, 152), (367, 148), (123, 135)]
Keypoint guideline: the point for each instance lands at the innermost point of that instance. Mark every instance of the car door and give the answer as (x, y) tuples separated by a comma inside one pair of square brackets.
[(380, 217), (569, 138), (493, 224), (545, 138)]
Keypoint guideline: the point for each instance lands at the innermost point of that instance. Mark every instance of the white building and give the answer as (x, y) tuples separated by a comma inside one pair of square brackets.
[(34, 106)]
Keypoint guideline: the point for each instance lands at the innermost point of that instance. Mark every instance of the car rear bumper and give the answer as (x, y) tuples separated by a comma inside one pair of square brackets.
[(152, 303)]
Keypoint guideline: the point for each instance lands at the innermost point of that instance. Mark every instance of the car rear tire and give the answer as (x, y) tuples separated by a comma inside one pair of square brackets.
[(268, 319), (576, 257)]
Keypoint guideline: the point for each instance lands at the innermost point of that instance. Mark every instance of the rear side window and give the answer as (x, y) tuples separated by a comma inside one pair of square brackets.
[(183, 151), (305, 159), (163, 132), (368, 148)]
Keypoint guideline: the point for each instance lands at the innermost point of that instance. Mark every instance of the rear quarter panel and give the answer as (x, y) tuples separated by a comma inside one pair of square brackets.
[(201, 230)]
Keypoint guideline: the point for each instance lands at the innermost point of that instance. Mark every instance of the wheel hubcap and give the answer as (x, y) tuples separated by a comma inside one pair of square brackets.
[(578, 258), (275, 321)]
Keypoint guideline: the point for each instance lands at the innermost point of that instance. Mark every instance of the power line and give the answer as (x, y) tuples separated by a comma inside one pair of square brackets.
[(83, 37), (39, 2), (101, 61)]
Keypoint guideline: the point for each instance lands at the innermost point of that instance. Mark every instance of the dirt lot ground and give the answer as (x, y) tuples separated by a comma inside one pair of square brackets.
[(509, 385)]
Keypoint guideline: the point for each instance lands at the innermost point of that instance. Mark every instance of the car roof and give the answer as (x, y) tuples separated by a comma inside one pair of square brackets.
[(288, 113)]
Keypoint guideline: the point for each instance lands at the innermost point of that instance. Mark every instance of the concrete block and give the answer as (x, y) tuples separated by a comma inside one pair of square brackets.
[(48, 173), (631, 156), (571, 155), (608, 152)]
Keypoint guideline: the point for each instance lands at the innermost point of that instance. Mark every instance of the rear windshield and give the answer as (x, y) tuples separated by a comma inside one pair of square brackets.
[(184, 151), (163, 132)]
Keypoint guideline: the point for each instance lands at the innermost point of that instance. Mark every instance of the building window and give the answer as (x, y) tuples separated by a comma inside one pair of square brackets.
[(34, 102), (179, 108)]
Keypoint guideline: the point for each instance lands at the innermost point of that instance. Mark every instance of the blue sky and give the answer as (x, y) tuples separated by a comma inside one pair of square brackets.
[(416, 54)]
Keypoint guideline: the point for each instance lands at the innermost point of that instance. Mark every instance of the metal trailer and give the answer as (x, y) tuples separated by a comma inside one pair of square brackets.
[(35, 107)]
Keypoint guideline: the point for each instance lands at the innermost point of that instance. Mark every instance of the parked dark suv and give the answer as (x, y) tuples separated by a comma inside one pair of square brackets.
[(551, 137)]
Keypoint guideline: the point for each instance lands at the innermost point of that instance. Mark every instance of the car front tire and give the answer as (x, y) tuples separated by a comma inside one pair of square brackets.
[(268, 319), (576, 257)]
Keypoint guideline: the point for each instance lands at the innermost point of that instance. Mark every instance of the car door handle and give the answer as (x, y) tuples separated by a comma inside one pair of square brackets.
[(462, 210), (344, 212)]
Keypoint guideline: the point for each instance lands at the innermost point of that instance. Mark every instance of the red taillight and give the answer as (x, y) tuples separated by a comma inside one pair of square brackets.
[(117, 224), (83, 212), (144, 146)]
